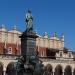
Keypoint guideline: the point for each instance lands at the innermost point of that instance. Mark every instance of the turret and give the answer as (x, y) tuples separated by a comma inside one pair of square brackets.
[(14, 28), (46, 35), (3, 28)]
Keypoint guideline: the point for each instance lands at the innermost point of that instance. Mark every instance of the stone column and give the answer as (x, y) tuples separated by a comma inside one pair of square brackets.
[(72, 72), (4, 71), (63, 72), (53, 71)]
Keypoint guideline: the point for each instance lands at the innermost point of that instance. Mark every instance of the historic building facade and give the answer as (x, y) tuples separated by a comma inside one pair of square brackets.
[(57, 59)]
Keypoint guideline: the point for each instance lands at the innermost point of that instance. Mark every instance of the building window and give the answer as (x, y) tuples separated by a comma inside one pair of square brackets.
[(60, 54), (42, 54), (69, 54), (9, 50)]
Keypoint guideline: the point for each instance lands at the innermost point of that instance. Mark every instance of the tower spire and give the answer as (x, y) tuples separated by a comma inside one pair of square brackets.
[(14, 28), (62, 37), (55, 34)]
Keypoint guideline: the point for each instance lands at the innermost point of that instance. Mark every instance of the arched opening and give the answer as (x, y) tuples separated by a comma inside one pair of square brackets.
[(58, 70), (68, 70), (74, 72), (48, 70), (10, 69), (1, 69)]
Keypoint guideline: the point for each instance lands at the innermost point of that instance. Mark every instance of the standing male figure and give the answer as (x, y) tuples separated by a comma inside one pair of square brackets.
[(29, 20)]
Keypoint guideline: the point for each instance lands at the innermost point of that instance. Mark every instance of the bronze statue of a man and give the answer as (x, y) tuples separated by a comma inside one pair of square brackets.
[(29, 20)]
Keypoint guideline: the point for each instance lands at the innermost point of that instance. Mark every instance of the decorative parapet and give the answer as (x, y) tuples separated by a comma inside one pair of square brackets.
[(51, 42)]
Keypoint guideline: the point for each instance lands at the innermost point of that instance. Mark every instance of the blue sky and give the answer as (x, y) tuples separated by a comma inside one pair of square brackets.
[(49, 16)]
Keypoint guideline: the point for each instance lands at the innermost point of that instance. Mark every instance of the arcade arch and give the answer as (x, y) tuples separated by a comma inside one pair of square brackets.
[(58, 70), (10, 70), (48, 69), (68, 70), (1, 68)]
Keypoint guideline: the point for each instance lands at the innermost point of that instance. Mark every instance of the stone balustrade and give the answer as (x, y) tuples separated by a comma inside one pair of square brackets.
[(45, 59)]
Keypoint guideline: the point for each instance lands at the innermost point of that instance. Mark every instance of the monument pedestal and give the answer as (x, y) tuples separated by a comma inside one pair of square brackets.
[(28, 43)]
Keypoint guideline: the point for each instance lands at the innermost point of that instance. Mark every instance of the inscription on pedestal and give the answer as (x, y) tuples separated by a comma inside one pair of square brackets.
[(31, 47)]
